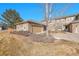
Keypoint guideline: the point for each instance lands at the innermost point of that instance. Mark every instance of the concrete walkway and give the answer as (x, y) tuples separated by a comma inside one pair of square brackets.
[(67, 36)]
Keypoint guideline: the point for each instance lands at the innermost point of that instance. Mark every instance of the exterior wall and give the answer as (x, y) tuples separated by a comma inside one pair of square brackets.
[(59, 24), (0, 28), (75, 28), (37, 29), (22, 27), (70, 28), (30, 27), (69, 20)]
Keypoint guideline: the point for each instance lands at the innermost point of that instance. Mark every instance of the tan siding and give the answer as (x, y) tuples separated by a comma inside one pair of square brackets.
[(75, 28), (31, 27), (22, 27), (36, 29)]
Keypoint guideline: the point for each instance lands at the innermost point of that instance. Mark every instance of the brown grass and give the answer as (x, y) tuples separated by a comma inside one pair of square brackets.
[(11, 44)]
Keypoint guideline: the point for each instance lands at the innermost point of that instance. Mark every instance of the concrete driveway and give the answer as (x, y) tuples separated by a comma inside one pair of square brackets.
[(67, 36)]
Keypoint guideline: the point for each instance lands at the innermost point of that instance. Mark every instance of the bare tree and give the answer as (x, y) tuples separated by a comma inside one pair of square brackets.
[(47, 12), (48, 16)]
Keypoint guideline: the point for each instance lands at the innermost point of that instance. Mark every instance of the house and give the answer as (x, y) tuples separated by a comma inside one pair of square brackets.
[(30, 26), (74, 26), (62, 23)]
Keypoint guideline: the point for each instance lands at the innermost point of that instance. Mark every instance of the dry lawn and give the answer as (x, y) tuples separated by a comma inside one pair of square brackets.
[(14, 45)]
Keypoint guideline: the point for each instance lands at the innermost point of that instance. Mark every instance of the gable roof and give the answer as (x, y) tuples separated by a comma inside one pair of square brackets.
[(75, 21), (63, 17), (30, 22), (66, 16)]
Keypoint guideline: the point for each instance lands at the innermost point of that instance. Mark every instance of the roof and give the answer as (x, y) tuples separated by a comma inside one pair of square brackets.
[(30, 22), (65, 17), (75, 21)]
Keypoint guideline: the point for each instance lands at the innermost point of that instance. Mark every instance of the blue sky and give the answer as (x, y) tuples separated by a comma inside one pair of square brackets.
[(36, 11)]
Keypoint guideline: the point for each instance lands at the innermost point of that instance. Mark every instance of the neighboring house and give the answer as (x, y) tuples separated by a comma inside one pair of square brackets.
[(74, 26), (30, 26), (61, 24)]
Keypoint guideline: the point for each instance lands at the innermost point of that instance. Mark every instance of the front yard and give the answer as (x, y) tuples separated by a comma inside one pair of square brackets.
[(11, 44)]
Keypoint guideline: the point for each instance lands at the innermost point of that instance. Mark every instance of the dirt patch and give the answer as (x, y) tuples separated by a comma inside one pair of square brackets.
[(36, 37)]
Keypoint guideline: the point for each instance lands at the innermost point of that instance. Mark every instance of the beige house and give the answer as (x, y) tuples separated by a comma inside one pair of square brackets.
[(67, 23), (30, 27), (74, 26), (59, 24)]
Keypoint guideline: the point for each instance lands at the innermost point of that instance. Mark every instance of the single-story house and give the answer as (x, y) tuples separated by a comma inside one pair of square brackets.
[(30, 26)]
